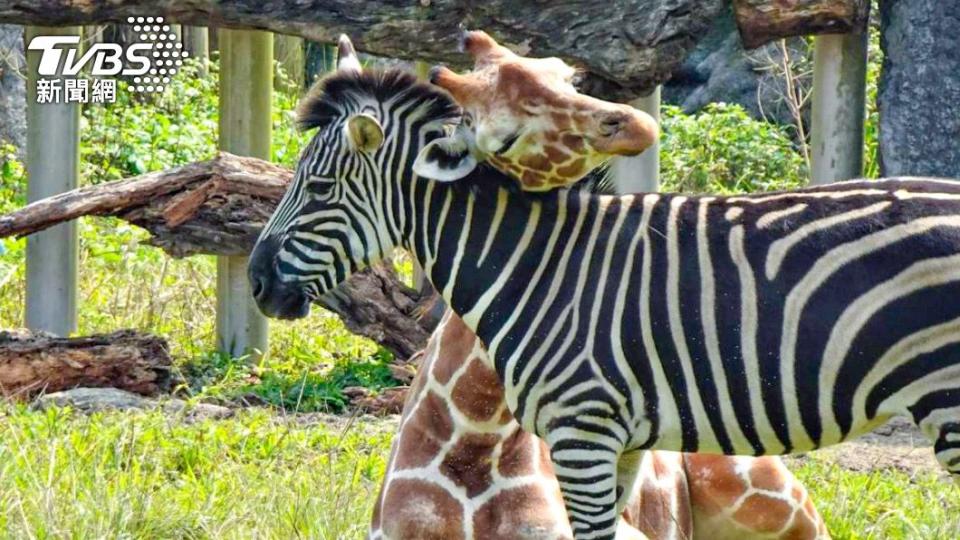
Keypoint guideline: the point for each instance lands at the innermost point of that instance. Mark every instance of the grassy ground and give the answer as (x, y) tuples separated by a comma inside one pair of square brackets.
[(259, 475)]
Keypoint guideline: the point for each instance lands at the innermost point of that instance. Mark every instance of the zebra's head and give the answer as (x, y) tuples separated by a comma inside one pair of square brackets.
[(344, 210)]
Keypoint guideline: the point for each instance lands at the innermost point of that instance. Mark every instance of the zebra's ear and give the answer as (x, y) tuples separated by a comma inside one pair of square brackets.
[(447, 159), (364, 132), (347, 56)]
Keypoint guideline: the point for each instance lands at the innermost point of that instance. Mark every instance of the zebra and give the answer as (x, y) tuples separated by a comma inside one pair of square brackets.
[(762, 324)]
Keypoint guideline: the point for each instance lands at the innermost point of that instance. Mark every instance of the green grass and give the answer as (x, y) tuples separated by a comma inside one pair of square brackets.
[(883, 505), (260, 475), (143, 475)]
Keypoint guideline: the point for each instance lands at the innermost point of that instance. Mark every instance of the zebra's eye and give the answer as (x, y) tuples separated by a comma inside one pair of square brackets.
[(319, 184), (433, 135)]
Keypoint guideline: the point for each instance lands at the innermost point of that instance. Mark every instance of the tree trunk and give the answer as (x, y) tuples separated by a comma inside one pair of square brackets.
[(218, 207), (34, 363), (626, 48), (762, 21)]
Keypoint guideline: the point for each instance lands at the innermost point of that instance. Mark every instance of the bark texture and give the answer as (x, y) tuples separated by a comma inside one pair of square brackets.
[(919, 93), (626, 47), (762, 21), (40, 363), (218, 207)]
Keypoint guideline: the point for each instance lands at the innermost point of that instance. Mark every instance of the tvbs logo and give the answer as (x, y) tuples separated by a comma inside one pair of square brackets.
[(150, 62)]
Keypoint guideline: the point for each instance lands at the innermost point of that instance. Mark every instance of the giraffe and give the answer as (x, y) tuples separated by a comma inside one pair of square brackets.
[(461, 468), (524, 117)]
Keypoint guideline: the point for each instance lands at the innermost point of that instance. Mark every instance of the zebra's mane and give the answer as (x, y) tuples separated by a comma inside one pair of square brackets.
[(335, 93), (332, 95)]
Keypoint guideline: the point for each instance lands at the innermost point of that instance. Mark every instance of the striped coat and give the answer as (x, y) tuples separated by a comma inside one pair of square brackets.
[(760, 324)]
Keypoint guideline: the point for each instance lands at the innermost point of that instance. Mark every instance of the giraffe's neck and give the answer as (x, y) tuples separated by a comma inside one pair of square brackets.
[(462, 466)]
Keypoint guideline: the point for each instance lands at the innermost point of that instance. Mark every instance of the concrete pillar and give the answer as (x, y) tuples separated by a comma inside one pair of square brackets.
[(839, 107), (289, 51), (196, 42), (53, 166), (246, 85), (640, 174)]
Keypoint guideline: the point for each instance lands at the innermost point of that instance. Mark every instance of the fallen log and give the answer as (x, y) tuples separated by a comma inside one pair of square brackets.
[(218, 207), (763, 21), (626, 48), (31, 364)]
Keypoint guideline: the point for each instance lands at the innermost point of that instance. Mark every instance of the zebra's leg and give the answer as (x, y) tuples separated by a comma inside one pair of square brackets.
[(628, 471), (587, 474), (947, 449), (942, 426)]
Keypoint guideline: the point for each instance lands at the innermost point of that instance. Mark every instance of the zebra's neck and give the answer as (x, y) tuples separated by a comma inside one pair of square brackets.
[(481, 245)]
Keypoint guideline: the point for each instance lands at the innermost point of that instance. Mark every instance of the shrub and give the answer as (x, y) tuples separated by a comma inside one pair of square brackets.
[(723, 150)]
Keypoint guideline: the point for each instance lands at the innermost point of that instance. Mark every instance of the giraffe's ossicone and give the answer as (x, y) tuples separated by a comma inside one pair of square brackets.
[(524, 117), (461, 468)]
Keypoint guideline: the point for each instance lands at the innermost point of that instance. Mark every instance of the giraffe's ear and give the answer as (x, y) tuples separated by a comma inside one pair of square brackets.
[(364, 132), (447, 159)]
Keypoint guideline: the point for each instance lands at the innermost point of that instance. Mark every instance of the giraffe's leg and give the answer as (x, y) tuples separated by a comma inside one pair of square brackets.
[(628, 471), (588, 481)]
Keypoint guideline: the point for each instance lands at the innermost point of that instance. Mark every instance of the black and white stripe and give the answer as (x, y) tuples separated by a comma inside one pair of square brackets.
[(762, 324)]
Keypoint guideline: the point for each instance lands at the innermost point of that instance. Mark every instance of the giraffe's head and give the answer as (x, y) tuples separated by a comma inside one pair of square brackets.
[(524, 117)]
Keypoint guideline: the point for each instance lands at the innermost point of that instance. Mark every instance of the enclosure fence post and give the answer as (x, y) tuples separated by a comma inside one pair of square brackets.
[(839, 107), (196, 41), (640, 174), (246, 86), (53, 166)]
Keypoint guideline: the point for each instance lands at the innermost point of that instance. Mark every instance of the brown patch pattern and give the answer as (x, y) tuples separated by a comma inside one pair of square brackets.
[(674, 492), (469, 463)]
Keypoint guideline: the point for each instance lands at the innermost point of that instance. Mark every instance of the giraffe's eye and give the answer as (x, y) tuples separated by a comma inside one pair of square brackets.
[(508, 143)]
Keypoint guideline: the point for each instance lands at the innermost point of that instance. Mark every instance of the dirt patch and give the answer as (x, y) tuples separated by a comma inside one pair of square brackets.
[(896, 445)]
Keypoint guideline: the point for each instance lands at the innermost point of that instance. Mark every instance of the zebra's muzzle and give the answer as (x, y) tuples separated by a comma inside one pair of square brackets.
[(275, 298)]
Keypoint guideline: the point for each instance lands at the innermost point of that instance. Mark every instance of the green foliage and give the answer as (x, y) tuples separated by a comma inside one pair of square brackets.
[(871, 158), (293, 385), (722, 150), (142, 133), (12, 179)]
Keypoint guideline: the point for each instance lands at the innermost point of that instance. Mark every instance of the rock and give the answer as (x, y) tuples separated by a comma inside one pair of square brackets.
[(91, 400), (195, 411), (403, 372), (13, 100), (388, 401), (919, 91), (720, 70)]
